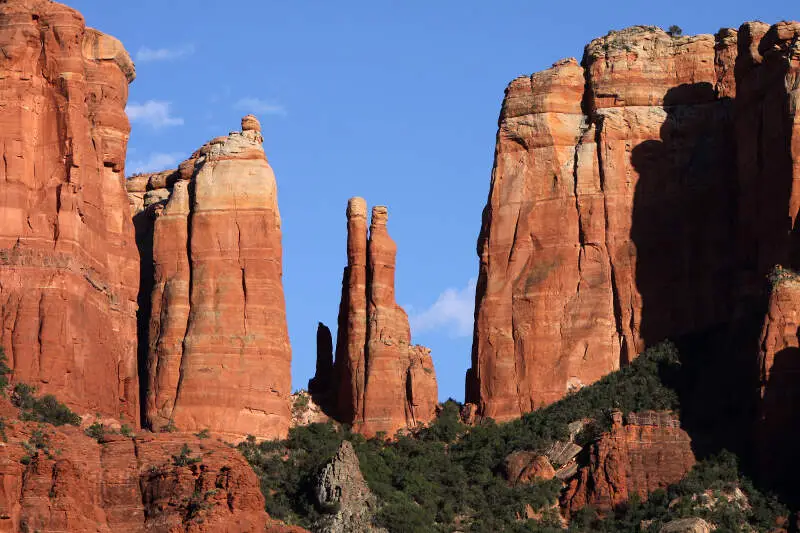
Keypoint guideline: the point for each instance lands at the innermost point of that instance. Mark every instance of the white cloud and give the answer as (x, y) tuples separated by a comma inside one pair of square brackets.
[(145, 54), (154, 113), (154, 162), (453, 311), (257, 105)]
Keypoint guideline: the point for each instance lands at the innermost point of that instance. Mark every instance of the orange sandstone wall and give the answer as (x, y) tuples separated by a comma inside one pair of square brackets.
[(216, 345), (68, 261)]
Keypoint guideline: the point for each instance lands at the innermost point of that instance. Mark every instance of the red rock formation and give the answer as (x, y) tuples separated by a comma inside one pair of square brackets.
[(422, 390), (613, 220), (647, 453), (68, 262), (380, 383), (351, 339), (779, 365), (768, 149), (528, 467), (73, 483), (217, 346)]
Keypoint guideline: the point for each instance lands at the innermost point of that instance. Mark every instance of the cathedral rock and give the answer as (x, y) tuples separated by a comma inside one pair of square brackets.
[(641, 194), (214, 343), (68, 259), (379, 382)]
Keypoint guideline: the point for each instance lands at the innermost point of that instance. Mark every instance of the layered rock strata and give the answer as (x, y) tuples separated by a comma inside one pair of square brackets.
[(213, 336), (614, 217), (639, 456), (379, 381), (68, 262), (70, 482)]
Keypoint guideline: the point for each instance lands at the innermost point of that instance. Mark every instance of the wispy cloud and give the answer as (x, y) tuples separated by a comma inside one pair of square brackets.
[(453, 312), (154, 162), (257, 105), (146, 54), (154, 113)]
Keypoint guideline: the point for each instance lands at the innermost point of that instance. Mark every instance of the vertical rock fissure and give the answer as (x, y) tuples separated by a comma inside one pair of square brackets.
[(242, 267), (184, 348), (615, 297)]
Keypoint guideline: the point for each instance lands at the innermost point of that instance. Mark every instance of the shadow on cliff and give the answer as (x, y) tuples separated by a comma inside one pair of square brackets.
[(686, 226), (778, 429), (143, 225)]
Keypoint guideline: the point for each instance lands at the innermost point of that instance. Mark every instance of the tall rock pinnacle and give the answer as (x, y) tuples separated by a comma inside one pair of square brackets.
[(380, 383), (68, 261), (216, 343)]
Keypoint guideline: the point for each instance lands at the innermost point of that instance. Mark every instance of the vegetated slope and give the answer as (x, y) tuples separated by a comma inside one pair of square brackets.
[(449, 477)]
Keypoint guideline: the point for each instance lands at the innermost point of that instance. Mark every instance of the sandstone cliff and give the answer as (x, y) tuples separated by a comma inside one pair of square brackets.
[(650, 451), (58, 479), (615, 218), (379, 382), (779, 368), (68, 262), (213, 331)]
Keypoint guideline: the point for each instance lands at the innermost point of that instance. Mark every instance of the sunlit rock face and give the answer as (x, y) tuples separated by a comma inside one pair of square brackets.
[(68, 260), (215, 341), (379, 382), (639, 195)]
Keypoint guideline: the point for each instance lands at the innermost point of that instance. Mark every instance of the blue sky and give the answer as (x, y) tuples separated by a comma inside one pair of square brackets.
[(395, 101)]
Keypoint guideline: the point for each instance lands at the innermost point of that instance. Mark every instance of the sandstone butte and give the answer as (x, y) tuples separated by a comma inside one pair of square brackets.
[(68, 259), (639, 195), (648, 452), (74, 483), (378, 382), (216, 346)]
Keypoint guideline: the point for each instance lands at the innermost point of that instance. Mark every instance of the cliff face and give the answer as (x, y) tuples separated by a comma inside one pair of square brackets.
[(379, 382), (647, 453), (73, 483), (68, 261), (779, 366), (214, 337), (615, 218)]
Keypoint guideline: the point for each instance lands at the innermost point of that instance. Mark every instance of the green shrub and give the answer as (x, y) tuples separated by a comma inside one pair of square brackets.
[(184, 458), (46, 409), (204, 434), (96, 431), (718, 475), (5, 371), (449, 476), (126, 430), (674, 31)]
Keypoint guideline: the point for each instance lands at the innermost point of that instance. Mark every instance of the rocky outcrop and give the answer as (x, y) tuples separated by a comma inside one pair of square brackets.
[(379, 381), (522, 468), (342, 487), (779, 366), (648, 452), (68, 262), (58, 479), (614, 219), (422, 390), (213, 328), (687, 525)]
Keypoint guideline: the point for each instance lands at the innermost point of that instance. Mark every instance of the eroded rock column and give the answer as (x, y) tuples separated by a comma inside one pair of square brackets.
[(218, 353)]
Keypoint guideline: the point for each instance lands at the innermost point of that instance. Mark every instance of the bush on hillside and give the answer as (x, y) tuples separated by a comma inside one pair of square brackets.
[(449, 472), (46, 409)]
